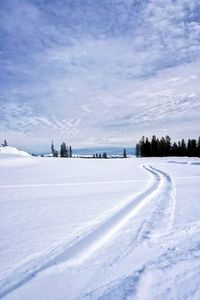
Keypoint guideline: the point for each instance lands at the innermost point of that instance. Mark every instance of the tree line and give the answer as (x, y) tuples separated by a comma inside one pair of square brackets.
[(65, 151), (164, 147), (105, 155), (100, 155)]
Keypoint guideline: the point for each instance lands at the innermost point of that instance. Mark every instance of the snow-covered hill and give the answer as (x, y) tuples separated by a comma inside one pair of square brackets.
[(12, 152)]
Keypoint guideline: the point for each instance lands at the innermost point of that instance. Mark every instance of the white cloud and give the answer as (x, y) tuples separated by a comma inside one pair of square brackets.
[(99, 71)]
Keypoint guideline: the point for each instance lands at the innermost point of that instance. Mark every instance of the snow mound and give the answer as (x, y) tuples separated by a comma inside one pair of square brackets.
[(12, 151)]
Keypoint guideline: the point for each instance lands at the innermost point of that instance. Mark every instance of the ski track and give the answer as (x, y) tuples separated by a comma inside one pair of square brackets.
[(85, 246)]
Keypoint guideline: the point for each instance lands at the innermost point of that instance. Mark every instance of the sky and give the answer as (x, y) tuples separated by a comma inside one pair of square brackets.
[(98, 73)]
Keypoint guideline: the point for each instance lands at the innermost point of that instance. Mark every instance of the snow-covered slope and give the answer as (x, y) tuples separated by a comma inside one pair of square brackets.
[(11, 152), (100, 229)]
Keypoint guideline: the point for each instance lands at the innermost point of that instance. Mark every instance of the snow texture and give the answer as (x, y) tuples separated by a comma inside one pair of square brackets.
[(99, 229), (11, 151)]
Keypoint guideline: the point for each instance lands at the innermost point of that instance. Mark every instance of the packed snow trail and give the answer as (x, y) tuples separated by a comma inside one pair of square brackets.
[(161, 218), (86, 246), (158, 219)]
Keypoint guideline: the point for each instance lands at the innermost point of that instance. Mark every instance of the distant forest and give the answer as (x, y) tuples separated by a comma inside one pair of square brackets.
[(164, 147), (66, 151)]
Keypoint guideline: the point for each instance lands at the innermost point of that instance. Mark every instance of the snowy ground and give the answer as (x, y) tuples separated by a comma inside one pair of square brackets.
[(99, 229)]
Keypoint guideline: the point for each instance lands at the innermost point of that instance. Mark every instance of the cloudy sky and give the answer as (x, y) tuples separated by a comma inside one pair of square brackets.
[(96, 73)]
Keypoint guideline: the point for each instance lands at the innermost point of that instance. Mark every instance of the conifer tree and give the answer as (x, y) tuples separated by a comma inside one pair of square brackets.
[(189, 148), (104, 155), (175, 149), (154, 146), (70, 151), (67, 151), (137, 150), (124, 153), (5, 144), (63, 150), (193, 147), (179, 150), (147, 148), (183, 148), (142, 146), (53, 150), (198, 147), (168, 145), (162, 147)]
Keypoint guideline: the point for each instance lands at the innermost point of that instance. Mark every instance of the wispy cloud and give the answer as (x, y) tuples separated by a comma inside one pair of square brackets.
[(99, 72)]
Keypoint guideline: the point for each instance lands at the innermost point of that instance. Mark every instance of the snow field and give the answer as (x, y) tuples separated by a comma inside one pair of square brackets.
[(100, 229)]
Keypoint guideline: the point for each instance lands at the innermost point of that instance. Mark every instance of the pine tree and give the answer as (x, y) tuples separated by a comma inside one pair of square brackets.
[(137, 150), (179, 150), (53, 150), (168, 146), (154, 146), (147, 147), (67, 152), (63, 150), (174, 149), (5, 144), (193, 147), (142, 146), (162, 147), (198, 147), (188, 147), (124, 153), (104, 155), (183, 148), (70, 151)]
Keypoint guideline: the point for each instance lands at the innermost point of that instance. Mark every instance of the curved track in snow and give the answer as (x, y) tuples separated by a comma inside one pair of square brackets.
[(161, 192)]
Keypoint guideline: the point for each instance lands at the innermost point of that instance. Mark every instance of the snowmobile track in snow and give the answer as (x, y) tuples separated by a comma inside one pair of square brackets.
[(83, 248), (159, 214)]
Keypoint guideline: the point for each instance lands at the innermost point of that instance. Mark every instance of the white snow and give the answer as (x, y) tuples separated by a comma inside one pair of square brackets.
[(99, 229), (12, 151)]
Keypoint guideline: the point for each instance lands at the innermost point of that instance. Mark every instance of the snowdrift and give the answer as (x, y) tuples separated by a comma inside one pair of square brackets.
[(12, 152)]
